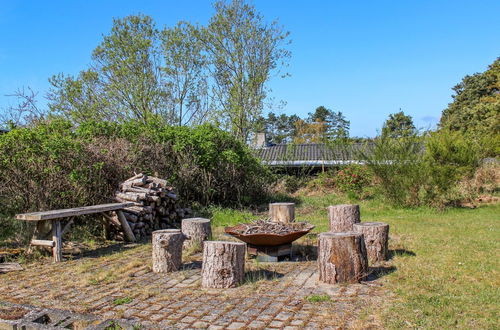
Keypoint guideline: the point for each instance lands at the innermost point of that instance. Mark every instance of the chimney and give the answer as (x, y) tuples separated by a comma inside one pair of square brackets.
[(259, 140)]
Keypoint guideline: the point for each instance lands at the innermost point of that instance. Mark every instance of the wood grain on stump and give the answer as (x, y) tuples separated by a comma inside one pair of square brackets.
[(282, 212), (196, 230), (167, 250), (342, 217), (223, 264), (342, 257), (376, 235)]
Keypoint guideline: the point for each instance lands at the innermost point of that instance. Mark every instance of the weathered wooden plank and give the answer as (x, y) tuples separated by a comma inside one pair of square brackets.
[(67, 227), (56, 237), (64, 213), (10, 267), (129, 234), (42, 242)]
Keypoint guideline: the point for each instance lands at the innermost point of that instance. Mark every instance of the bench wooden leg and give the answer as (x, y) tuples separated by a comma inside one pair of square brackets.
[(56, 237)]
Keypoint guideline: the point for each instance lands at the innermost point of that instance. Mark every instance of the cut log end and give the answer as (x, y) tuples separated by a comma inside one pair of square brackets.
[(282, 212), (223, 264), (342, 257), (376, 237), (196, 230), (342, 217), (167, 250)]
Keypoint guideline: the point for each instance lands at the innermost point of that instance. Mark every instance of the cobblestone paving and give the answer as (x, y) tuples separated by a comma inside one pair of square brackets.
[(121, 285)]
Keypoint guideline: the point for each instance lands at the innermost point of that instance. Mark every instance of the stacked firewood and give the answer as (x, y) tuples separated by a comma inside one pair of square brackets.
[(155, 207)]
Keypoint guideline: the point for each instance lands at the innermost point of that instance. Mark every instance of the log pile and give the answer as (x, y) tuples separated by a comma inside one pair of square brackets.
[(271, 227), (156, 207)]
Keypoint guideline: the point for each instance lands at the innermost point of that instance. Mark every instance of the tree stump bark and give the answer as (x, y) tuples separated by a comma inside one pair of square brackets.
[(376, 235), (342, 257), (223, 264), (342, 217), (167, 250), (282, 212), (196, 231)]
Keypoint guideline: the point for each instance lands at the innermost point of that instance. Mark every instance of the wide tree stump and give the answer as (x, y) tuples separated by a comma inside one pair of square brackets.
[(342, 257), (342, 217), (376, 235), (196, 230), (223, 264), (282, 212), (167, 250)]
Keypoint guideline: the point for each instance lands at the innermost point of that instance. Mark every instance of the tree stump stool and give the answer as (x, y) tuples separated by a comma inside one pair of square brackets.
[(167, 250), (196, 231), (223, 264), (342, 257), (282, 212), (342, 217), (376, 235)]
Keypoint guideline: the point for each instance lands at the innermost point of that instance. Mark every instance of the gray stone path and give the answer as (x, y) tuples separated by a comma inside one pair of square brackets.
[(121, 286)]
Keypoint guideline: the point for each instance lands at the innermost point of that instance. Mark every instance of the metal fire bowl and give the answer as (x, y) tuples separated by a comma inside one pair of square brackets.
[(266, 239)]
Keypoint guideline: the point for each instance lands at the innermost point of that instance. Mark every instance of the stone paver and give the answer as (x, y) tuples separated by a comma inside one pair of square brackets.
[(122, 286)]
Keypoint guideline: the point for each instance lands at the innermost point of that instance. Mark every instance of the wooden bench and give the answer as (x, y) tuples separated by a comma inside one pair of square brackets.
[(54, 217)]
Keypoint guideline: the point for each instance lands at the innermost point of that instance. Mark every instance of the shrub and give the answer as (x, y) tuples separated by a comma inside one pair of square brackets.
[(422, 169), (396, 163), (289, 183), (352, 179), (448, 158), (54, 165)]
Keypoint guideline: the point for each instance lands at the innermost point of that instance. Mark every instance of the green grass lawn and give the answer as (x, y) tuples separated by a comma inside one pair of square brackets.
[(446, 268)]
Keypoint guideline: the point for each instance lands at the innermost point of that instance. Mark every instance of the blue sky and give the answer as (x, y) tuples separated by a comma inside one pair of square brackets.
[(364, 58)]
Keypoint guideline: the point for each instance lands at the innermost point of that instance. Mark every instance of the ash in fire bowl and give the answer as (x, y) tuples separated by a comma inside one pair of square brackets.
[(269, 233)]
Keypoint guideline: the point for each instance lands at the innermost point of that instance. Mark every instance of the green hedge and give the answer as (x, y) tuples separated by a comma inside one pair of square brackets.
[(56, 165)]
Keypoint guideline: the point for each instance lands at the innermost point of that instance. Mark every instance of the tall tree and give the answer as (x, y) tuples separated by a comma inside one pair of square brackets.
[(309, 132), (185, 74), (336, 125), (398, 125), (124, 81), (476, 104), (279, 128), (244, 51), (81, 98), (24, 112)]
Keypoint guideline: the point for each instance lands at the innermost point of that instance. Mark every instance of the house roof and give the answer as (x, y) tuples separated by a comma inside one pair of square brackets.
[(312, 154)]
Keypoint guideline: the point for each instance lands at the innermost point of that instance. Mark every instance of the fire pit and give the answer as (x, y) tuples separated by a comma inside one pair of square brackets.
[(269, 240), (268, 233)]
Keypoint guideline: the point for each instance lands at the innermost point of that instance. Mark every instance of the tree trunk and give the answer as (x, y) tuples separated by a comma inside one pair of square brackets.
[(376, 235), (342, 257), (282, 212), (223, 264), (167, 250), (342, 217), (196, 231)]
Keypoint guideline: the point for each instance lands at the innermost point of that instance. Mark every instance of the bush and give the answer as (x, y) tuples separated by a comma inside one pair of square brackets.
[(352, 179), (448, 158), (54, 165), (396, 164), (288, 184), (422, 169)]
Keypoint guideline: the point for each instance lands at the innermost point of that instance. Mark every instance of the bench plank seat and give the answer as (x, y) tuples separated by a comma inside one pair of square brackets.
[(64, 213)]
